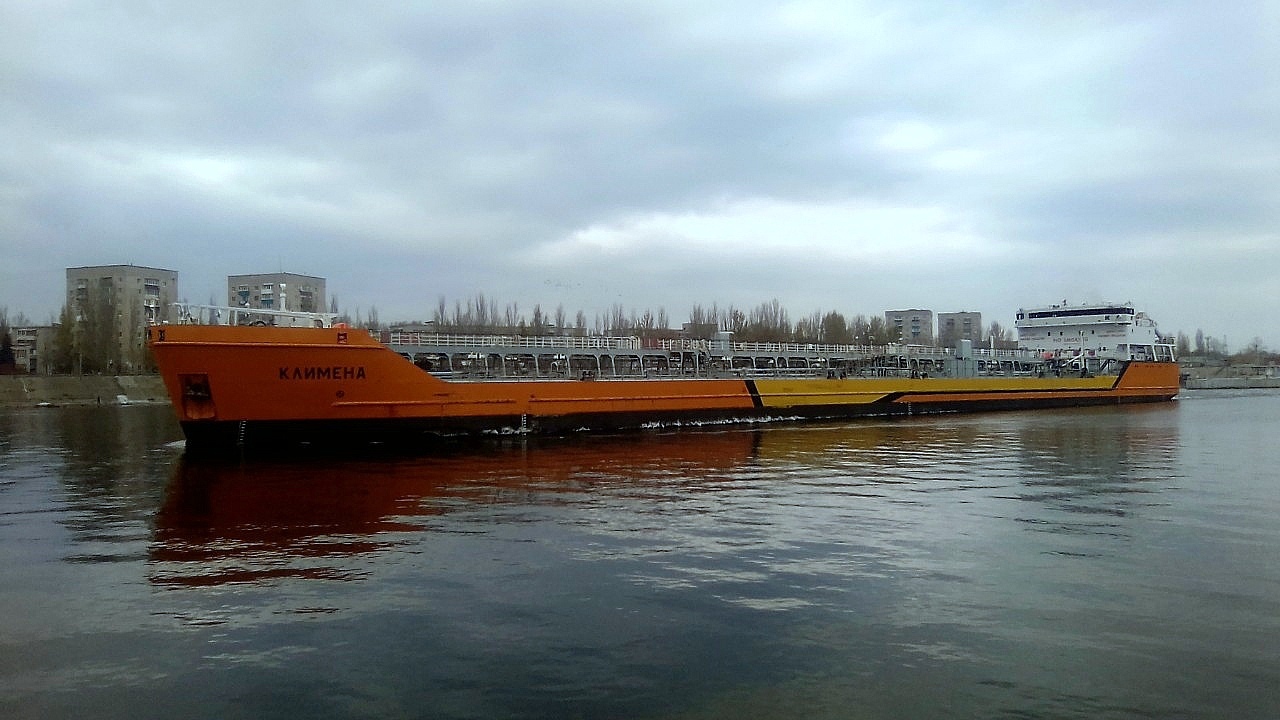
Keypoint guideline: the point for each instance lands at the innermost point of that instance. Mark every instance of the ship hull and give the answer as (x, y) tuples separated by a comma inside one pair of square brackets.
[(332, 388)]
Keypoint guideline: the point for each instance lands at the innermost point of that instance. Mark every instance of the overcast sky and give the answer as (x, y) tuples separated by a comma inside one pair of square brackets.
[(851, 156)]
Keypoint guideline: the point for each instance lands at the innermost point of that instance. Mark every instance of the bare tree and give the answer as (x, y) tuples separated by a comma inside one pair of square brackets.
[(1183, 344), (835, 329), (880, 332), (617, 320), (539, 325), (733, 320), (998, 332)]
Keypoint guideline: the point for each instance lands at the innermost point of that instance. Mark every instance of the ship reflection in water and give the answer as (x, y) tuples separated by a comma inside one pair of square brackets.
[(322, 519), (241, 524), (261, 521)]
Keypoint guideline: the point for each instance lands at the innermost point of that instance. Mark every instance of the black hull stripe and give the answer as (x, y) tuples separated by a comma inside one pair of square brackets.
[(1047, 392), (230, 438)]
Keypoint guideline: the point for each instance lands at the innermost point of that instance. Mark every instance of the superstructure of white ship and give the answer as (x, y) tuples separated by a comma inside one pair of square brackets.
[(1092, 335)]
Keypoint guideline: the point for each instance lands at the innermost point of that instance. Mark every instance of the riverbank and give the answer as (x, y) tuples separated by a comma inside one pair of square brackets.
[(1219, 375), (1231, 383), (35, 390)]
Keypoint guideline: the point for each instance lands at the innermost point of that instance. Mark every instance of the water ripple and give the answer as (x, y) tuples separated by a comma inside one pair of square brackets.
[(1111, 562)]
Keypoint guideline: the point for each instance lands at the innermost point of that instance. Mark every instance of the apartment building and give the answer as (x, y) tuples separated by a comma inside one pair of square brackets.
[(31, 349), (277, 291), (136, 295), (914, 327), (956, 326)]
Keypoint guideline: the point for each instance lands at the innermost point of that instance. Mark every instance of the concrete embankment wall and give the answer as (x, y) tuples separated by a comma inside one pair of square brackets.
[(1231, 383), (29, 390)]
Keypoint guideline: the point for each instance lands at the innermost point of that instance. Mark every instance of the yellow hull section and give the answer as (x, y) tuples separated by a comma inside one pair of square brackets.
[(783, 393)]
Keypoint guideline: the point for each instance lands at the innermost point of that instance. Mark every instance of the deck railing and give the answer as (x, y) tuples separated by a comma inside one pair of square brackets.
[(193, 314), (827, 349), (565, 342)]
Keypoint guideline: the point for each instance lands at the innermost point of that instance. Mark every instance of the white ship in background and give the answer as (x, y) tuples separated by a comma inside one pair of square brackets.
[(1091, 334)]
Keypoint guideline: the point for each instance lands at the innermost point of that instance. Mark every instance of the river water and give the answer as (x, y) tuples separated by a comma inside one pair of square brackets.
[(1093, 563)]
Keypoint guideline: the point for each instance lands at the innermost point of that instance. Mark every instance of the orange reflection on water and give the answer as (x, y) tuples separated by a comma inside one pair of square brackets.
[(328, 519), (261, 521)]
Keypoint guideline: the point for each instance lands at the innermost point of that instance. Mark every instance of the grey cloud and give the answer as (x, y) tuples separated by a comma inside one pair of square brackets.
[(411, 152)]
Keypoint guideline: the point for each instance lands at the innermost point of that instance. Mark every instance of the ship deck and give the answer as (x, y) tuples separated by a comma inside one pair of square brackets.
[(512, 357)]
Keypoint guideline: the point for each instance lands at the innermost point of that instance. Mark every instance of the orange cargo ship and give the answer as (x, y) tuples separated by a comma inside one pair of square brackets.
[(295, 379)]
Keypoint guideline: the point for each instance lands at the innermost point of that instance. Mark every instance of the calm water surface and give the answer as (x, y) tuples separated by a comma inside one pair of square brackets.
[(1102, 563)]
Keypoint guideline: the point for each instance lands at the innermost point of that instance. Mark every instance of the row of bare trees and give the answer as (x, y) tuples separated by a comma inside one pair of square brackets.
[(766, 322), (91, 339), (98, 334), (1207, 346)]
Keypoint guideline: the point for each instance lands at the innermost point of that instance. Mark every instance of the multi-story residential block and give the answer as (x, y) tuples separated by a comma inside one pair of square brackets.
[(31, 349), (915, 327), (134, 294), (277, 291), (956, 326)]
